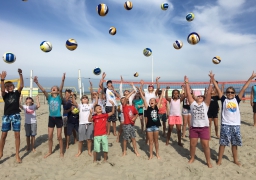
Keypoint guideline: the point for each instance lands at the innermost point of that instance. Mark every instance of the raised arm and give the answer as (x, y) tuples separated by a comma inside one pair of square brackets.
[(3, 76), (215, 85), (91, 90), (157, 86), (37, 102), (240, 95), (252, 96), (166, 96), (21, 81), (187, 89), (113, 108), (96, 100), (121, 87), (222, 88), (74, 103), (40, 87), (62, 84), (20, 101), (144, 100), (161, 97), (141, 86), (102, 80), (207, 99)]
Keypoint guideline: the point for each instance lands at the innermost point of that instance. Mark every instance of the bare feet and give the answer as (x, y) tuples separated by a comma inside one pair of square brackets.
[(89, 153), (218, 136), (157, 155), (166, 143), (191, 161), (180, 144), (137, 154), (183, 137), (124, 153), (67, 147), (48, 154), (78, 154), (218, 163), (209, 165), (34, 150), (28, 148), (150, 157), (114, 134), (1, 155), (18, 160), (117, 139), (237, 163), (61, 155)]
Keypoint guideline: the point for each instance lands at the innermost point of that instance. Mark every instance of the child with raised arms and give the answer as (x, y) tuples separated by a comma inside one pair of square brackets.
[(111, 95), (30, 121), (100, 130), (152, 123), (55, 119), (230, 119), (199, 126), (162, 111), (139, 104), (11, 115), (130, 115), (85, 131), (175, 114)]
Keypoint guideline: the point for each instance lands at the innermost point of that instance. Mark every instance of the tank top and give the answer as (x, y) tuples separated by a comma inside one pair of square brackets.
[(175, 108), (254, 92), (214, 106), (186, 104), (148, 96)]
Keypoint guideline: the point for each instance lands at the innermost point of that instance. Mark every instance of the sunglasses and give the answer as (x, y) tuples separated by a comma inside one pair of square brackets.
[(230, 92), (150, 86), (200, 96)]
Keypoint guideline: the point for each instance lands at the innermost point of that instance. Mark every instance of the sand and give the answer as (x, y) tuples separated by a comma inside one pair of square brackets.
[(172, 165)]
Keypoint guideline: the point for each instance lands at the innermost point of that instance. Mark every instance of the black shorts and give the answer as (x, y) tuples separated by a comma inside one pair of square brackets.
[(140, 114), (254, 107), (55, 121), (212, 114), (111, 118), (145, 113)]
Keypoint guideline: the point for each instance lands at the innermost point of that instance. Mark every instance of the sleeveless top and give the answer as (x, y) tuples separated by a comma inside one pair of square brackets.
[(214, 105), (185, 104), (175, 108)]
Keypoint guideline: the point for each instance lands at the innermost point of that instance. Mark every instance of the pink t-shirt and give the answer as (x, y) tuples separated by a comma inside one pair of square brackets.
[(162, 108), (175, 108)]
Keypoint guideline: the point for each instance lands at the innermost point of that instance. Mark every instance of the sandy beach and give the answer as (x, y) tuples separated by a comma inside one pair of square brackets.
[(172, 165)]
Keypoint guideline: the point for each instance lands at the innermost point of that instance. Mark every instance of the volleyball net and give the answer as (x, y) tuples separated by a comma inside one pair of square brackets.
[(197, 87)]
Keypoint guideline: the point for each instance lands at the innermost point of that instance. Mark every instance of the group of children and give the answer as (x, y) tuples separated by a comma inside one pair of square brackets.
[(92, 121)]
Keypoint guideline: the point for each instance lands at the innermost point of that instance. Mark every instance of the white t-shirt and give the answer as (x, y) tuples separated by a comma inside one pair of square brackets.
[(149, 96), (102, 103), (30, 114), (110, 96), (84, 113), (199, 116), (230, 114)]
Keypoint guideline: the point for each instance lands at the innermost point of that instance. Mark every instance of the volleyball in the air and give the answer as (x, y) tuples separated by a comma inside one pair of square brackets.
[(147, 52), (75, 111), (178, 44), (97, 71), (9, 58), (136, 74), (102, 9), (71, 44), (190, 17), (193, 38), (128, 5), (112, 31), (164, 6), (216, 60), (46, 46)]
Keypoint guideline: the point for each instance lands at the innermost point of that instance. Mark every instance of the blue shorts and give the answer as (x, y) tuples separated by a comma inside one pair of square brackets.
[(230, 134), (162, 117), (152, 129), (8, 120)]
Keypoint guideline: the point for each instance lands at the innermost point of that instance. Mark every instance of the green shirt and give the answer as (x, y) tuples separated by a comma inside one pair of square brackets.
[(138, 102)]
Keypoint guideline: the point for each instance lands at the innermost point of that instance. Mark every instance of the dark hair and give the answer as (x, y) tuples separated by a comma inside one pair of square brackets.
[(96, 106), (109, 81), (8, 82), (68, 90), (230, 87), (175, 90), (217, 82), (83, 97), (30, 99)]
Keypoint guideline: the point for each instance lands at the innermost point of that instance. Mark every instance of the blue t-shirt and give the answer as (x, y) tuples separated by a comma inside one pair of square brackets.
[(254, 95), (138, 102), (54, 105)]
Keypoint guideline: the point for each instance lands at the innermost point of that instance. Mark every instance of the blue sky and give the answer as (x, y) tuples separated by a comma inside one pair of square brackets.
[(226, 27)]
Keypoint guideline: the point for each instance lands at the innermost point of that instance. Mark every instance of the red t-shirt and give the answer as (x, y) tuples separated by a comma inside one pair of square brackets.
[(100, 122), (129, 112), (163, 104)]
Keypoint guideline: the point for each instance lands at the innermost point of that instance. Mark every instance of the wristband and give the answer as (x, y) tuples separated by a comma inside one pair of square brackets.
[(2, 79)]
